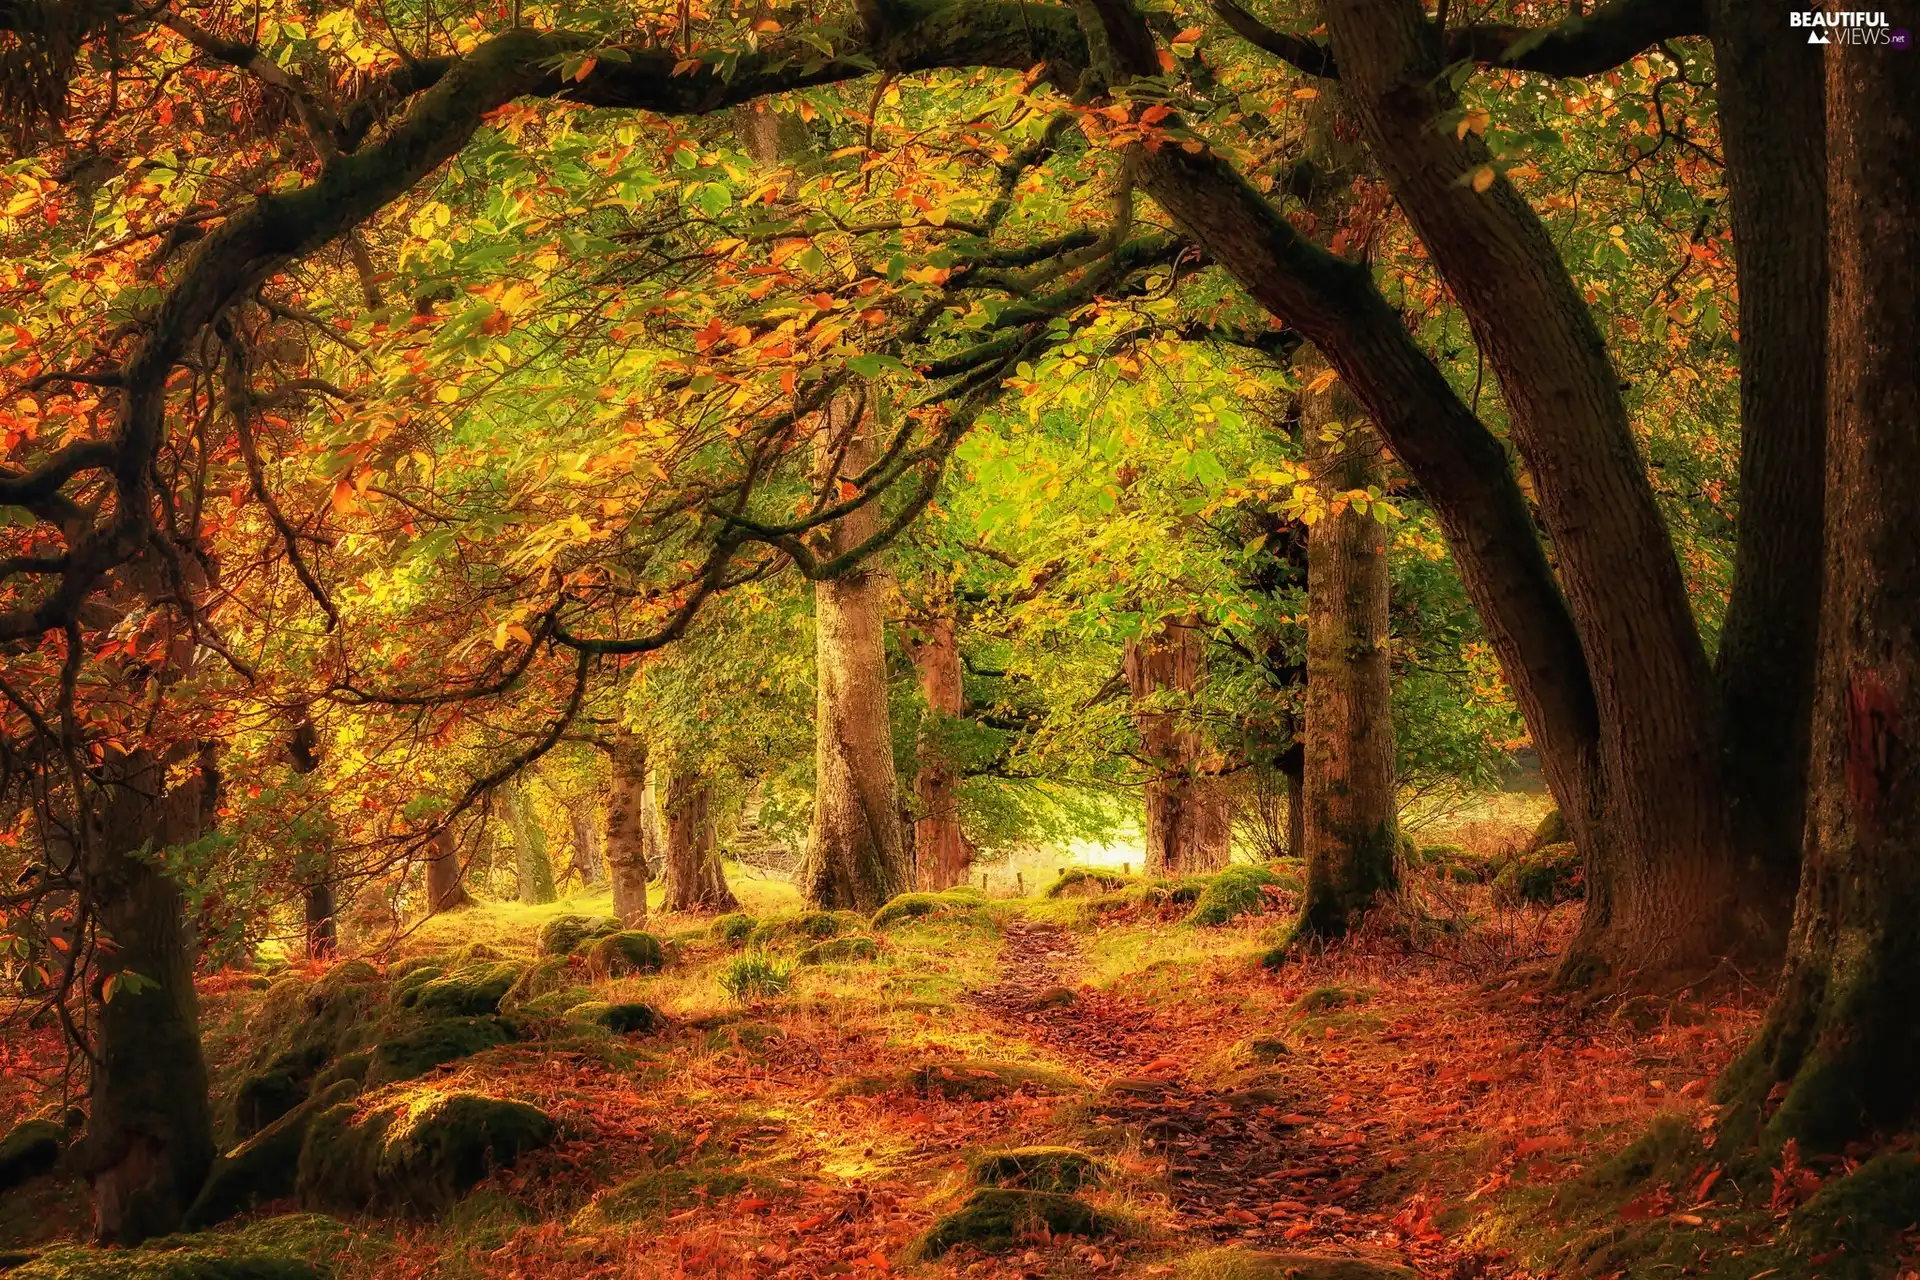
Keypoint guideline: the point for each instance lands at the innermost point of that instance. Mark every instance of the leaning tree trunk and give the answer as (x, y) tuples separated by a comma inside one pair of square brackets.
[(534, 867), (633, 840), (695, 878), (583, 816), (941, 850), (149, 1140), (1350, 813), (323, 934), (1843, 1033), (856, 855), (446, 882), (1188, 829)]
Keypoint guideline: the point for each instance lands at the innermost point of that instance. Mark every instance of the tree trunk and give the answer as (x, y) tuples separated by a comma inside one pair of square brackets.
[(941, 849), (1350, 811), (534, 868), (1770, 114), (633, 840), (856, 855), (695, 879), (1669, 895), (1293, 767), (323, 934), (1843, 1033), (446, 883), (583, 815), (1188, 829), (149, 1138)]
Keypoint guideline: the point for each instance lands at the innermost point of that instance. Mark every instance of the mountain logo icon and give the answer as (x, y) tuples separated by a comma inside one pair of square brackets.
[(1817, 37)]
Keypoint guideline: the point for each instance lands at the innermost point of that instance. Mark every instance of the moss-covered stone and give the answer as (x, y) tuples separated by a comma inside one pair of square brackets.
[(420, 1048), (628, 952), (1545, 876), (1552, 829), (997, 1218), (470, 991), (474, 953), (420, 1155), (399, 970), (1251, 1264), (1060, 1169), (626, 1018), (400, 989), (556, 1003), (732, 930), (353, 1066), (1234, 892), (1083, 882), (30, 1149), (978, 1081), (1330, 999), (265, 1166), (560, 935), (914, 906), (543, 977), (1267, 1049), (807, 927), (262, 1099), (839, 951), (299, 1026)]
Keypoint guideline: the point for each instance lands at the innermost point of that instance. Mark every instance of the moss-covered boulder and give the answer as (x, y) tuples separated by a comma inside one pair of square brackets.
[(1086, 882), (1545, 877), (299, 1026), (1235, 892), (1552, 829), (630, 951), (30, 1149), (978, 1081), (297, 1246), (1254, 1264), (915, 906), (543, 977), (1331, 999), (262, 1099), (556, 1003), (474, 953), (403, 987), (264, 1167), (353, 1066), (807, 927), (1061, 1169), (839, 951), (420, 1155), (733, 930), (423, 1046), (470, 991), (560, 935), (997, 1218), (626, 1018)]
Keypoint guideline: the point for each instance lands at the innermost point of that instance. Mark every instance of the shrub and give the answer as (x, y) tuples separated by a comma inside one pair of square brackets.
[(755, 975)]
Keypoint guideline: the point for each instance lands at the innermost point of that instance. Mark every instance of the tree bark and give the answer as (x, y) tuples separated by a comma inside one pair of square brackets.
[(1770, 114), (534, 867), (856, 855), (149, 1140), (446, 882), (1293, 767), (941, 850), (695, 879), (583, 815), (633, 839), (323, 934), (1187, 827), (1351, 817), (1843, 1032)]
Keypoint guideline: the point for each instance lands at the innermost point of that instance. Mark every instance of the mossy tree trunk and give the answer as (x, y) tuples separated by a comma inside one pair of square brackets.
[(1187, 826), (856, 853), (531, 862), (633, 839), (583, 817), (149, 1139), (695, 879), (1839, 1052), (446, 881), (942, 853), (323, 934), (1350, 813)]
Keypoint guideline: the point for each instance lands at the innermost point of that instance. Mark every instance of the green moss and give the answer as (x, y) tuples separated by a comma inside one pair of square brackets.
[(262, 1099), (732, 930), (1328, 999), (655, 1194), (413, 979), (995, 1218), (470, 991), (1249, 1264), (1861, 1216), (914, 906), (352, 1067), (190, 1262), (419, 1049), (808, 926), (627, 1018), (30, 1149), (1060, 1169), (400, 970), (419, 1155), (1080, 882), (839, 951), (1545, 876), (1233, 893), (628, 952), (543, 977), (560, 935), (300, 1026), (475, 953), (555, 1003), (265, 1166), (1552, 829), (979, 1081), (1267, 1049)]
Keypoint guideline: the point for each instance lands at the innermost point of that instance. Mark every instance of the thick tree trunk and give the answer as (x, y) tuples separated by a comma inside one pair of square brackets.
[(1770, 97), (942, 853), (1351, 817), (323, 934), (1187, 827), (856, 855), (1843, 1034), (149, 1139), (695, 879), (583, 815), (446, 883), (1668, 895), (633, 840), (533, 866), (1293, 767)]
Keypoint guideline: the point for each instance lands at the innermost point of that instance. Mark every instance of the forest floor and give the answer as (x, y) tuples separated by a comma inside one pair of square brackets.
[(1426, 1105)]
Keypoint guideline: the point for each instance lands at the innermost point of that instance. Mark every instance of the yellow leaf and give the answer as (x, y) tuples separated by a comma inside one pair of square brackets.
[(500, 636), (1322, 382)]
